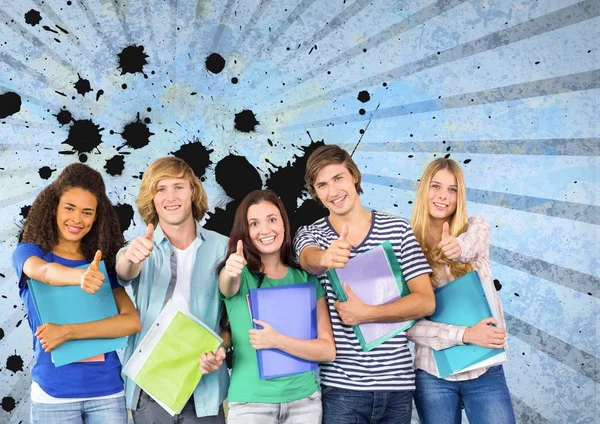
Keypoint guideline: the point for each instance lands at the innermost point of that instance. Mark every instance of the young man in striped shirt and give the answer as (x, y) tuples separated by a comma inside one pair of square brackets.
[(374, 386)]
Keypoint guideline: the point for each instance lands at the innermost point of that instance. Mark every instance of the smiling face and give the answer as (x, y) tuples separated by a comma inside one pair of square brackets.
[(75, 215), (442, 195), (173, 201), (266, 228), (336, 188)]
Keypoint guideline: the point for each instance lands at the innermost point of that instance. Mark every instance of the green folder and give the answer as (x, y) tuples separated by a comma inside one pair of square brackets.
[(165, 364), (375, 277)]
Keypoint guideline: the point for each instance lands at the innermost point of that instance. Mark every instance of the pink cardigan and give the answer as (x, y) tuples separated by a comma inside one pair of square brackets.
[(427, 335)]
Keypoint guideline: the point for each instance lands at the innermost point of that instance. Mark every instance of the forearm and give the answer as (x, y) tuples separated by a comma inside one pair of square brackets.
[(117, 326), (436, 335), (412, 306), (318, 350), (127, 270), (311, 260), (228, 285), (52, 273)]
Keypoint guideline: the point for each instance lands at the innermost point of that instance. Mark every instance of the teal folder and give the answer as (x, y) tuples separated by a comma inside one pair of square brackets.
[(71, 305), (461, 302), (375, 277)]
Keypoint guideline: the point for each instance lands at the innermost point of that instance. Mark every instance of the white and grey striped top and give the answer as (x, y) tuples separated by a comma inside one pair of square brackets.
[(389, 366)]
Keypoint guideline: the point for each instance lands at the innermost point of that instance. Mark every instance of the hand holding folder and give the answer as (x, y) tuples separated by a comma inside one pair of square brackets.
[(71, 305), (290, 310), (375, 277)]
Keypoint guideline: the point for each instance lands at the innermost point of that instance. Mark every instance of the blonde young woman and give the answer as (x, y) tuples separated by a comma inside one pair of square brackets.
[(454, 245)]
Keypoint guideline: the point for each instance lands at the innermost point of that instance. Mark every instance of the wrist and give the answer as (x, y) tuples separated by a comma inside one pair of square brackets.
[(466, 334), (69, 331)]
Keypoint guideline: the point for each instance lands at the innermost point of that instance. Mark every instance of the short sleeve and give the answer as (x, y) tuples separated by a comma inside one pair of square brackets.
[(23, 252), (304, 238), (113, 279)]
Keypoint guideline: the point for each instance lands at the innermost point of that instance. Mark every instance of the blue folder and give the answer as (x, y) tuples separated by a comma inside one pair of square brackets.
[(290, 310), (461, 302), (71, 305)]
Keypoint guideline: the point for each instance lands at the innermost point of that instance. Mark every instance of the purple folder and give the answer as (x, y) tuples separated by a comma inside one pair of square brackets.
[(290, 310), (376, 278)]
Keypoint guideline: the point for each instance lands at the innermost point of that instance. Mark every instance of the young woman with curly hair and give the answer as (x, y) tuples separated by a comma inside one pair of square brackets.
[(455, 244), (72, 223)]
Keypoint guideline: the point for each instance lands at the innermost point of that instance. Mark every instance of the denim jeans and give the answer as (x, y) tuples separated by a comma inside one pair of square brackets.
[(150, 412), (486, 399), (301, 411), (87, 411), (343, 406)]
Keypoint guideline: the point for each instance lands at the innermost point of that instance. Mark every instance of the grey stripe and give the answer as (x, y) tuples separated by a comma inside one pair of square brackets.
[(19, 29), (16, 65), (576, 359), (18, 198), (563, 17), (20, 392), (549, 207), (413, 21), (87, 11), (550, 146), (287, 23), (525, 414), (258, 11), (119, 12), (222, 24), (569, 278)]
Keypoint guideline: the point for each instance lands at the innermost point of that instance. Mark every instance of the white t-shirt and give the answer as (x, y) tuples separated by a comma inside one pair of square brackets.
[(185, 265), (38, 395)]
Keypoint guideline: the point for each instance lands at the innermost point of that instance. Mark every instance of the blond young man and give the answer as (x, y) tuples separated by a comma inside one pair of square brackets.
[(175, 258), (374, 386)]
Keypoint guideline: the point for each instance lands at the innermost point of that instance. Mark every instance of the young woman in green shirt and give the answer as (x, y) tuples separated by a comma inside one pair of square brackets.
[(260, 254)]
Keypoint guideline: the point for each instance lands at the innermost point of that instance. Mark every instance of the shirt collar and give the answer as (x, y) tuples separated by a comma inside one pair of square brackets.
[(159, 235)]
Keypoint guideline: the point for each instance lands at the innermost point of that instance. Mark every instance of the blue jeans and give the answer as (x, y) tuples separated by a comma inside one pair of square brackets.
[(343, 406), (486, 399), (301, 411), (88, 411)]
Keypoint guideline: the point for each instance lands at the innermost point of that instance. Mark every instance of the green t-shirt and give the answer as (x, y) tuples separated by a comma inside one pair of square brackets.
[(245, 385)]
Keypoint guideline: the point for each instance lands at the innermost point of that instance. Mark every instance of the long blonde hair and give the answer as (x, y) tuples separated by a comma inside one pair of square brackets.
[(421, 221)]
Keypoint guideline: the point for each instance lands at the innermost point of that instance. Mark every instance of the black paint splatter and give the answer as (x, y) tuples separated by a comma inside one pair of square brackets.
[(8, 403), (497, 285), (14, 363), (215, 63), (99, 93), (33, 17), (288, 182), (234, 80), (245, 121), (1, 333), (125, 213), (115, 165), (25, 211), (136, 134), (10, 103), (196, 156), (132, 59), (237, 177), (362, 112), (364, 96), (82, 86), (45, 172), (64, 117), (84, 136)]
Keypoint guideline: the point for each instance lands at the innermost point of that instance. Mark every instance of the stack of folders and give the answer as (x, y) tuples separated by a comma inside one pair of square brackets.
[(463, 302), (375, 277), (290, 310), (71, 305), (165, 363)]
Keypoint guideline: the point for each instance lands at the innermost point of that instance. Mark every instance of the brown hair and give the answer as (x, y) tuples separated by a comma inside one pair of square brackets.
[(105, 235), (240, 231), (327, 155), (160, 169), (420, 219)]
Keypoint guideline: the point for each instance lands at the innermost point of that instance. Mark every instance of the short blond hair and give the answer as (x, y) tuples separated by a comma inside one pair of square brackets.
[(163, 168), (328, 155)]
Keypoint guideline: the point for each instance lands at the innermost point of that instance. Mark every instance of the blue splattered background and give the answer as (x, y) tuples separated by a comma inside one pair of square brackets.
[(245, 90)]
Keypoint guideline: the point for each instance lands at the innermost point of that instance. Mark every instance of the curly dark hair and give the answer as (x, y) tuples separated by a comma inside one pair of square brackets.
[(105, 235), (240, 232)]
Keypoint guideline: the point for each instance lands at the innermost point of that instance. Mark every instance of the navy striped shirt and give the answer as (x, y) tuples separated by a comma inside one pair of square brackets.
[(388, 366)]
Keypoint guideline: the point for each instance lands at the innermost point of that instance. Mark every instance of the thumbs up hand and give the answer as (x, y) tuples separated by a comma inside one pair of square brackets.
[(449, 246), (337, 254), (91, 279), (141, 247), (235, 262)]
